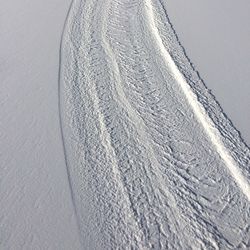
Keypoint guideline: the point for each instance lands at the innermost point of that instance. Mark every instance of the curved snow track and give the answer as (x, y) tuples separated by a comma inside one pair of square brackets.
[(153, 161)]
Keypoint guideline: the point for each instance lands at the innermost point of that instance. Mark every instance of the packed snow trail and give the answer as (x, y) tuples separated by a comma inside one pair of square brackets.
[(153, 161), (199, 111)]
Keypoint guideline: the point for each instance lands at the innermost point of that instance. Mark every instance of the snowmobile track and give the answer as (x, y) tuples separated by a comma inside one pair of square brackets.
[(152, 159)]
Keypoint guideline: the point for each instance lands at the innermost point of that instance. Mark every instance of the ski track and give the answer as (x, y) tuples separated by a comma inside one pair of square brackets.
[(153, 161)]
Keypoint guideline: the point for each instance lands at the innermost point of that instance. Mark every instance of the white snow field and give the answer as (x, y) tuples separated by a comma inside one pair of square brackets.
[(154, 162), (128, 149), (36, 210)]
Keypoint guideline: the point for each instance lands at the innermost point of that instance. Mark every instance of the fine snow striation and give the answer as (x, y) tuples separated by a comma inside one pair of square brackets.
[(153, 160)]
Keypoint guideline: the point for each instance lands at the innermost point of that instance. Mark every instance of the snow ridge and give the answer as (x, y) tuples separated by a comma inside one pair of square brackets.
[(149, 163), (199, 110)]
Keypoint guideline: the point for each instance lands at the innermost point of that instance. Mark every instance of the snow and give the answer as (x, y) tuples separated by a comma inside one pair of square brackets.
[(115, 142), (216, 37), (36, 210), (154, 161), (198, 109)]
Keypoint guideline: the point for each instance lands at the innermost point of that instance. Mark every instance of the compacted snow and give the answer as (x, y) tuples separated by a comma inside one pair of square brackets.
[(154, 162), (127, 149), (216, 36)]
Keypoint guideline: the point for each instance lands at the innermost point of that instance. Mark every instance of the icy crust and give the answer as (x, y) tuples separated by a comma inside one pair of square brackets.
[(144, 173)]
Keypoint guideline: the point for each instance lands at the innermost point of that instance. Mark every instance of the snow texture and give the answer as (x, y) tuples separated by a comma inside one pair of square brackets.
[(154, 162), (216, 37)]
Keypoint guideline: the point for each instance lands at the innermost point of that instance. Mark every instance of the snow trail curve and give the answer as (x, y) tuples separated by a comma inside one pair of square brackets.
[(145, 171), (199, 110), (61, 120)]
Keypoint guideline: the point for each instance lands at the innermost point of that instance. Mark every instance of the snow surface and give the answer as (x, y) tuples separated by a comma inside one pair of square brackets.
[(153, 160), (216, 37), (36, 210), (147, 158)]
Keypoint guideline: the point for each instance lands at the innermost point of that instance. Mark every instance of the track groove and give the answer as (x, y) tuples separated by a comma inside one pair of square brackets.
[(199, 111), (145, 173)]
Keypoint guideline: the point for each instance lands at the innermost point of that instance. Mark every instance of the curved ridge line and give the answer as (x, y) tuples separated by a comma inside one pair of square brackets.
[(73, 200), (242, 140), (136, 119), (132, 114), (104, 136), (197, 107), (107, 144)]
